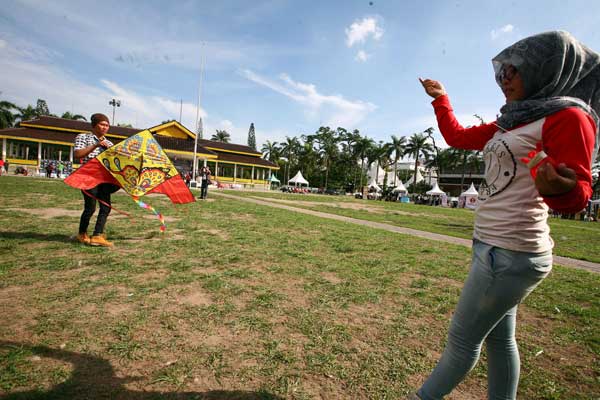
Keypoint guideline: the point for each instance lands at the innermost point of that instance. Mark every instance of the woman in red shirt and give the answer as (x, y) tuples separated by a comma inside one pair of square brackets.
[(538, 154)]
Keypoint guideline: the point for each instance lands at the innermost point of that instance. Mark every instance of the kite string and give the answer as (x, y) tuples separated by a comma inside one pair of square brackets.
[(145, 206), (106, 204)]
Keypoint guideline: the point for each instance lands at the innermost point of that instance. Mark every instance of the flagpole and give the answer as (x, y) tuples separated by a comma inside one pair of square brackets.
[(198, 118)]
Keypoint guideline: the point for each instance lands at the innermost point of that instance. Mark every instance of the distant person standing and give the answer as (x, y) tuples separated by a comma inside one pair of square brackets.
[(205, 181), (87, 146), (59, 169), (6, 164), (2, 164), (49, 169)]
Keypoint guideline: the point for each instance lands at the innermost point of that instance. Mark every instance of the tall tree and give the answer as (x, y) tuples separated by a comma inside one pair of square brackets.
[(221, 136), (397, 147), (8, 114), (289, 150), (27, 113), (326, 140), (252, 137), (75, 117), (362, 148), (270, 151), (418, 146), (41, 108)]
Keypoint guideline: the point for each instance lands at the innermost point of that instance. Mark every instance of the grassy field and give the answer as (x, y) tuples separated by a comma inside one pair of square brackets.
[(241, 301), (574, 239)]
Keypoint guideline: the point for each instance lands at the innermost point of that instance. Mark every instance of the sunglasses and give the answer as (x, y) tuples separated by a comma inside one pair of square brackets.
[(507, 72)]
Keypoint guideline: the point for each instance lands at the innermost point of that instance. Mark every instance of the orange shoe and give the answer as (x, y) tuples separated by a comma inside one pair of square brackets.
[(83, 238), (100, 240)]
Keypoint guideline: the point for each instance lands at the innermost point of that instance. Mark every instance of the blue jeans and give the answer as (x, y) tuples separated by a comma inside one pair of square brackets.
[(498, 281)]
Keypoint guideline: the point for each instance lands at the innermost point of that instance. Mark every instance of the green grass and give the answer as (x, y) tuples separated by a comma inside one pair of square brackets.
[(238, 300), (574, 239)]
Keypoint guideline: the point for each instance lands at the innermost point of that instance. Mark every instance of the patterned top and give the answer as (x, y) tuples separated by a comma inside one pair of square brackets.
[(84, 140)]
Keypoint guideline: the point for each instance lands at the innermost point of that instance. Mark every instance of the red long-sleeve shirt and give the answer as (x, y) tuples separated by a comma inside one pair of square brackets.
[(567, 136)]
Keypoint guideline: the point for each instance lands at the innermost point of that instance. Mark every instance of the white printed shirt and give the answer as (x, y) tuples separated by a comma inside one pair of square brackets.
[(84, 140)]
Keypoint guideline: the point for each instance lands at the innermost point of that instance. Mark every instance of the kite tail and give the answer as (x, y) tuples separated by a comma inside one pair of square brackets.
[(105, 203), (140, 203)]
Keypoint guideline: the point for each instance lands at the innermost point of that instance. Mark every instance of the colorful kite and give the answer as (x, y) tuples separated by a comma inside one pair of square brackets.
[(138, 165)]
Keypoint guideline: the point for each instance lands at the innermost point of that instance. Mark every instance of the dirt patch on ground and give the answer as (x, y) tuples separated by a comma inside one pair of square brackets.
[(212, 232), (195, 297), (48, 213), (331, 277)]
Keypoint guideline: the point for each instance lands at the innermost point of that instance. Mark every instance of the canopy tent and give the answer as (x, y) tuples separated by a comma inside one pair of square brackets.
[(469, 197), (374, 185), (400, 188), (435, 191), (274, 179), (298, 179), (411, 180)]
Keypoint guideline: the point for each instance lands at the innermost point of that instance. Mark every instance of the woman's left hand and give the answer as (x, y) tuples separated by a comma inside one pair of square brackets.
[(552, 181)]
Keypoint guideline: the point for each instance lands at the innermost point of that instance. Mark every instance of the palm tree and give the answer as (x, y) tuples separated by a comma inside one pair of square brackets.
[(418, 146), (74, 117), (221, 136), (397, 148), (327, 143), (270, 151), (7, 117), (385, 160), (361, 149), (27, 113), (290, 150)]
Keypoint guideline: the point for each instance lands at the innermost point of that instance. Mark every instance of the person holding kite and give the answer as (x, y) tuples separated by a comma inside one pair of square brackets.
[(137, 164), (87, 147), (538, 155)]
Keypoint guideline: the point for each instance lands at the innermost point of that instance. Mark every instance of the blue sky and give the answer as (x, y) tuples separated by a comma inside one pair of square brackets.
[(287, 66)]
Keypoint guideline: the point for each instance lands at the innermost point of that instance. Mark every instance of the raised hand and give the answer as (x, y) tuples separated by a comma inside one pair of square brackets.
[(433, 88)]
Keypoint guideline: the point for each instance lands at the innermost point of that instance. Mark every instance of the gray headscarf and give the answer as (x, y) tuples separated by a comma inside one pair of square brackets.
[(557, 72)]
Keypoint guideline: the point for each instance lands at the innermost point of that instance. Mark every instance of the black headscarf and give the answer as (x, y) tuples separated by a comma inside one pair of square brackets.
[(557, 72)]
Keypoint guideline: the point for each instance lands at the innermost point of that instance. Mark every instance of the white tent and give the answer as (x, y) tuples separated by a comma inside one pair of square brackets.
[(435, 191), (411, 180), (374, 185), (298, 179), (469, 197), (400, 188)]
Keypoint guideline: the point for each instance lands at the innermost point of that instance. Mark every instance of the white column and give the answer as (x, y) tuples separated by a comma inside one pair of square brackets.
[(60, 155), (4, 148), (234, 172), (71, 154), (252, 180), (39, 164)]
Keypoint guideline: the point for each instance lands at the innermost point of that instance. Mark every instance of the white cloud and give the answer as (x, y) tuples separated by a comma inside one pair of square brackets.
[(495, 33), (360, 31), (332, 110), (362, 56), (27, 76)]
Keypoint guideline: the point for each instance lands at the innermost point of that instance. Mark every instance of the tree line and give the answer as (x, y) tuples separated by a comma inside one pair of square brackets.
[(341, 158)]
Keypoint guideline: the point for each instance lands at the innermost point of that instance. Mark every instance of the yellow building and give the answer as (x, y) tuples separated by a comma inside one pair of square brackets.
[(37, 142)]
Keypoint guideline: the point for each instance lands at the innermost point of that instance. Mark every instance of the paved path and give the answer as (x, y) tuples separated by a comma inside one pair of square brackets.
[(567, 262)]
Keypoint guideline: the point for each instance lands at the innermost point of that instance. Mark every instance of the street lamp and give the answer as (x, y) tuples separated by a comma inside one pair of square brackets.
[(114, 103)]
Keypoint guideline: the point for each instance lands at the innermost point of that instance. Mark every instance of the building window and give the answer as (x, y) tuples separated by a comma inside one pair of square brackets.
[(55, 152), (225, 170), (260, 174), (244, 172), (23, 150)]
